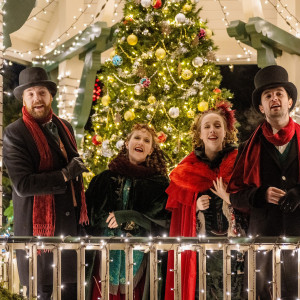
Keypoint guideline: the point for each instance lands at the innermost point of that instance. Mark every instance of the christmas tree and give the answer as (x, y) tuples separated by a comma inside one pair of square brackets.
[(162, 71)]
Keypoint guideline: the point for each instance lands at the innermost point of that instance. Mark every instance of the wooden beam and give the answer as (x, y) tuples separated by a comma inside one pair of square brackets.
[(268, 39)]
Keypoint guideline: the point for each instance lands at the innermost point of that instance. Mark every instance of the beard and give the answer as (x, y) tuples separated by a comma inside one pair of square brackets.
[(41, 114)]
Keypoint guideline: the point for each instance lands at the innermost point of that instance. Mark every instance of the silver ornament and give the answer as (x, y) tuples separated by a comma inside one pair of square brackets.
[(145, 31), (138, 89), (105, 144), (107, 152), (146, 3), (119, 144), (174, 112), (180, 18), (197, 62)]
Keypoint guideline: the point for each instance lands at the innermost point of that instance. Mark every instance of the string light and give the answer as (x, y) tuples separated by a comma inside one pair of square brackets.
[(65, 33), (288, 18), (247, 53)]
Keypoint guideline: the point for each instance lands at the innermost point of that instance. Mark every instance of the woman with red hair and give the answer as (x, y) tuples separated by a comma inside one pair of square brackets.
[(196, 208)]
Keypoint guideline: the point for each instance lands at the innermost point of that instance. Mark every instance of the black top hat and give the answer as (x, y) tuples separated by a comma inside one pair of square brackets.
[(272, 77), (34, 76)]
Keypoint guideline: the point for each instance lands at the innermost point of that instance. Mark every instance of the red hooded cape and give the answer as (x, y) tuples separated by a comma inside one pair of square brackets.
[(189, 178)]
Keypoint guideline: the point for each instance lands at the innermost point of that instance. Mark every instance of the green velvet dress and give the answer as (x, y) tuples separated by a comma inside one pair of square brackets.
[(136, 195)]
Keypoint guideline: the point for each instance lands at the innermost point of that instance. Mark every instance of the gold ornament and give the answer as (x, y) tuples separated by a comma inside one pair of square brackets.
[(112, 54), (105, 100), (190, 114), (160, 53), (202, 106), (186, 74), (129, 115), (208, 33), (187, 8), (151, 99), (132, 39)]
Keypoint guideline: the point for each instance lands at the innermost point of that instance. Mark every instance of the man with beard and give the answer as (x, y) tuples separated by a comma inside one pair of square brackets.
[(40, 154), (265, 180)]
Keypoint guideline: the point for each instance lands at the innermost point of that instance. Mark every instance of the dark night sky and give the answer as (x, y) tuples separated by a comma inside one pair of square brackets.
[(240, 82)]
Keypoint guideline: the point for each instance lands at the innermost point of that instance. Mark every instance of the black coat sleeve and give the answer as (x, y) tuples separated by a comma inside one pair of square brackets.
[(21, 158), (251, 197)]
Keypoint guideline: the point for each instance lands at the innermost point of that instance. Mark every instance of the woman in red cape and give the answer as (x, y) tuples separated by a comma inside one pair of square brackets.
[(196, 209)]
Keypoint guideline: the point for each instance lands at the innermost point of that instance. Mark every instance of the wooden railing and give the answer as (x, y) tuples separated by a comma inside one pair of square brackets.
[(151, 245)]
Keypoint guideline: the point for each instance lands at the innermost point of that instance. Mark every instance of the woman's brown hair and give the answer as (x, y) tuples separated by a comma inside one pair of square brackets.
[(156, 159), (223, 109)]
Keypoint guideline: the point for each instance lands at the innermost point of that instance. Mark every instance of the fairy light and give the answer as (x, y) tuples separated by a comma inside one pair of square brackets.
[(65, 33), (247, 54), (280, 9)]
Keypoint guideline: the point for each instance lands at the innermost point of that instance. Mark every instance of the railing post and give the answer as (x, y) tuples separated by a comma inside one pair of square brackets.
[(153, 273), (33, 271), (129, 272), (5, 276), (276, 273), (226, 272), (177, 273), (10, 268), (251, 273), (105, 272), (56, 274), (202, 272), (81, 273), (298, 251)]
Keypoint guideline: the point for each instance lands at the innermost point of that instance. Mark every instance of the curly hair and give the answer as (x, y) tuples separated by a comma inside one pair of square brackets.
[(156, 159), (231, 134)]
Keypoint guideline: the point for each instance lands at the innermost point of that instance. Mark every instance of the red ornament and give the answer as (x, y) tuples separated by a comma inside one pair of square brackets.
[(145, 82), (201, 34), (127, 20), (97, 90), (156, 4), (217, 91), (162, 137), (97, 140)]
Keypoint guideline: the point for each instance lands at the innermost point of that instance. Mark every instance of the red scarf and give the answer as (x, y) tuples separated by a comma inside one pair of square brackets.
[(43, 216), (247, 170), (189, 178)]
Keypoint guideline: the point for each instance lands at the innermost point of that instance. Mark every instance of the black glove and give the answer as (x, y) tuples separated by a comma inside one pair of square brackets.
[(74, 168), (290, 201)]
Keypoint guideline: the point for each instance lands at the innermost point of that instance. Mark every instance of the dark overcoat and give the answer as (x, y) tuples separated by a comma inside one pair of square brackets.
[(146, 208), (267, 219), (22, 159)]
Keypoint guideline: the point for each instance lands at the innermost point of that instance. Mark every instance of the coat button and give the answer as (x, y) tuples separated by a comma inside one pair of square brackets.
[(283, 178), (67, 213)]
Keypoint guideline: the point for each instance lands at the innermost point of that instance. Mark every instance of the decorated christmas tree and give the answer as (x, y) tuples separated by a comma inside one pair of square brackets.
[(161, 71)]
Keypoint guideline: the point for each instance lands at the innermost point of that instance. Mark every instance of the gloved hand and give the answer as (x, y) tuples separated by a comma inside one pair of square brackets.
[(290, 201), (74, 168)]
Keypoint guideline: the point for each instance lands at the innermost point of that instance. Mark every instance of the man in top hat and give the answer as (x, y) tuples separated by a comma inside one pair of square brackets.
[(265, 180), (40, 154)]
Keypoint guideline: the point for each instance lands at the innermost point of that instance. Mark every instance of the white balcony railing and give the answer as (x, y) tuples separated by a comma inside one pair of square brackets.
[(8, 273)]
